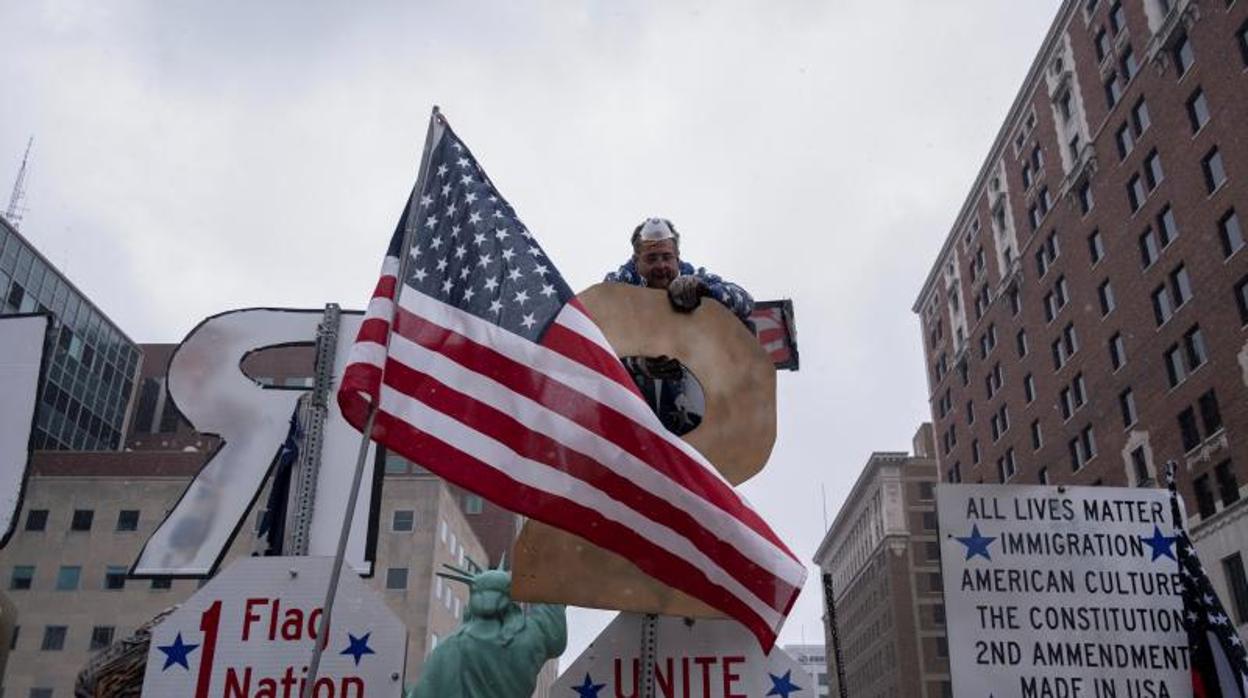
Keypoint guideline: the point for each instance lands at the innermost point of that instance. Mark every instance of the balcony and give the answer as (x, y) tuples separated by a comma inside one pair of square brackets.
[(1182, 15), (1081, 170)]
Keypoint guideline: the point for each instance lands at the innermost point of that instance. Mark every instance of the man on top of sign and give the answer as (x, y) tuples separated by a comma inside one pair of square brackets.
[(656, 263)]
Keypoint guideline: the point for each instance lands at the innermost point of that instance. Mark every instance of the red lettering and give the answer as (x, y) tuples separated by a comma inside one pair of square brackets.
[(288, 682), (323, 682), (705, 663), (249, 617), (292, 627), (277, 605), (665, 683), (352, 682), (232, 688), (619, 687), (730, 678), (684, 675)]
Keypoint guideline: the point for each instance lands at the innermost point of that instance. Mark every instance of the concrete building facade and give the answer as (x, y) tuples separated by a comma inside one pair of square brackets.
[(1084, 321), (883, 555), (814, 659), (85, 396), (86, 515)]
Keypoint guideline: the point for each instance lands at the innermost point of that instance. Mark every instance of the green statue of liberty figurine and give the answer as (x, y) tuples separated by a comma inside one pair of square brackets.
[(499, 649)]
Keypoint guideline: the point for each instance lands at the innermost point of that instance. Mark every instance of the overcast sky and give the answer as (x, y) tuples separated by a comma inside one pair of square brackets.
[(193, 157)]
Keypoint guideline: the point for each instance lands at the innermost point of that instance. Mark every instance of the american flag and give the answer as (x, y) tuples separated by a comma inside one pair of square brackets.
[(1216, 654), (773, 324), (486, 371)]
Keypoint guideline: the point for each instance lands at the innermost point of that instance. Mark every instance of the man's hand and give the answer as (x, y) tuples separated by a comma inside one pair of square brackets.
[(686, 291)]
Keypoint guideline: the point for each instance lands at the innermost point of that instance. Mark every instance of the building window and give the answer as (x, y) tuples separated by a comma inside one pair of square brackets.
[(23, 577), (1163, 306), (1042, 476), (1117, 18), (929, 520), (1005, 465), (403, 520), (1184, 57), (473, 504), (1230, 232), (128, 520), (1029, 388), (1113, 90), (1148, 248), (1241, 299), (67, 578), (1194, 346), (54, 638), (37, 520), (1198, 110), (1117, 351), (1128, 64), (115, 578), (1037, 438), (1015, 303), (1125, 140), (1096, 247), (1135, 192), (1233, 569), (1082, 448), (1215, 173), (1020, 343), (1205, 503), (1243, 42), (1180, 286), (1228, 486), (1188, 429), (1102, 44), (1139, 463), (1140, 117), (1106, 295), (1152, 170), (1126, 402), (975, 451), (1167, 228), (955, 473), (396, 578), (1210, 415), (101, 637), (82, 520), (1086, 201), (970, 412)]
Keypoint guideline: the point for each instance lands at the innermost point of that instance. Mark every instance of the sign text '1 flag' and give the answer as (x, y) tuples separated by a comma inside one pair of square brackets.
[(495, 378)]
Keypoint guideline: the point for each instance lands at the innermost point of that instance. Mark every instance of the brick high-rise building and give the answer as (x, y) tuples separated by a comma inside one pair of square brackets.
[(1085, 319), (883, 556)]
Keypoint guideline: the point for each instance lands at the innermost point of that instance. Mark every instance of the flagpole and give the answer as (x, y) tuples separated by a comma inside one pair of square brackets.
[(433, 135)]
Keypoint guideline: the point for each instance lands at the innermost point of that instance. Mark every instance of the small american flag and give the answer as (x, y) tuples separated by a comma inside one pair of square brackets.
[(1219, 663), (486, 371)]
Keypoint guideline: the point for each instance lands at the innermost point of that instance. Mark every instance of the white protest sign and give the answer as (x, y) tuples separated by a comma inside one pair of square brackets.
[(701, 658), (249, 633), (1062, 592)]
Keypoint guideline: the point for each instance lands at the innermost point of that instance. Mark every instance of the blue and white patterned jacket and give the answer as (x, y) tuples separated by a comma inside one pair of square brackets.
[(729, 294)]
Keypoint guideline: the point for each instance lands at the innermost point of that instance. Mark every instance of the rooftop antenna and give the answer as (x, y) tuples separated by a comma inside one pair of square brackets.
[(17, 200)]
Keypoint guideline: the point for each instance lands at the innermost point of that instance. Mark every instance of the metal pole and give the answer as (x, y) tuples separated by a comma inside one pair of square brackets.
[(829, 600), (314, 432), (649, 653), (433, 134)]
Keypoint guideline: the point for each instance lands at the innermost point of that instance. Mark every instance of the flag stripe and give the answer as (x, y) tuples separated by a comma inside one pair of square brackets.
[(477, 460), (544, 436), (619, 428)]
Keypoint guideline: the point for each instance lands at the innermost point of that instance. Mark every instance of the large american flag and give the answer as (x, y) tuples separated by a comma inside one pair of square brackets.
[(487, 371), (1216, 653)]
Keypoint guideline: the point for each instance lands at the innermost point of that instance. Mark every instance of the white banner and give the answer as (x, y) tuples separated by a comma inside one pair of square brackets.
[(1053, 591), (21, 359)]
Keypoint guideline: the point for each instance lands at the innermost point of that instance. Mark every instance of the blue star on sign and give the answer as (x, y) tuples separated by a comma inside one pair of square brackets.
[(176, 653), (782, 685), (977, 544), (1160, 544), (588, 689), (357, 647)]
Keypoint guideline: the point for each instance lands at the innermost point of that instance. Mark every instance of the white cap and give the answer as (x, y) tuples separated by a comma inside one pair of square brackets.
[(655, 229)]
